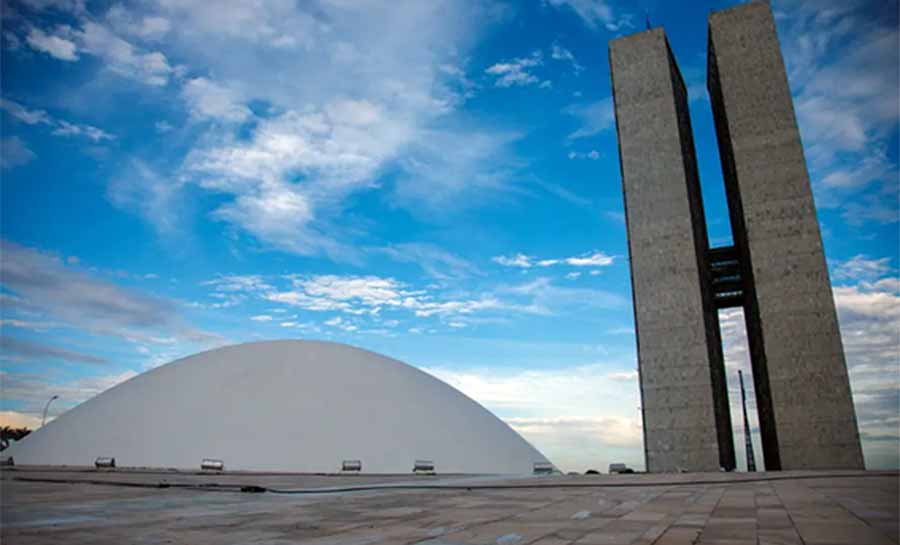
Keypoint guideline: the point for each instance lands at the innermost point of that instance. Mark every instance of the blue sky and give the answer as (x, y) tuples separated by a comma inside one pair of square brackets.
[(434, 181)]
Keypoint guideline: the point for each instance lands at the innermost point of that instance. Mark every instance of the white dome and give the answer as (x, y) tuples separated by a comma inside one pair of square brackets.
[(301, 406)]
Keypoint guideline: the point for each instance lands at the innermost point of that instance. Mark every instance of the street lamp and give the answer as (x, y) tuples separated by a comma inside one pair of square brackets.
[(47, 406)]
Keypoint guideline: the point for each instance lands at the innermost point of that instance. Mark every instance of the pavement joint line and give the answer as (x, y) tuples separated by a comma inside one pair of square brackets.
[(838, 502), (790, 517), (216, 487)]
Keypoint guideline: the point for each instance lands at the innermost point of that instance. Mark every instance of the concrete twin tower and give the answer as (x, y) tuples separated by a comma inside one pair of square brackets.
[(776, 269)]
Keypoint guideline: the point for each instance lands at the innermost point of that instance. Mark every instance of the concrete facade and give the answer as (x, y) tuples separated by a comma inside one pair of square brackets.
[(776, 271), (685, 405), (807, 418)]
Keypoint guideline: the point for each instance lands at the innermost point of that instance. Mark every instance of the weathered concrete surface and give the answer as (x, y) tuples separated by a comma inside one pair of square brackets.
[(806, 413), (852, 508), (685, 408)]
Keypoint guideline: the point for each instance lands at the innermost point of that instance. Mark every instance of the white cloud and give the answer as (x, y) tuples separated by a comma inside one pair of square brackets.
[(209, 100), (596, 259), (869, 315), (457, 77), (96, 39), (522, 261), (542, 296), (334, 152), (861, 267), (33, 391), (232, 290), (435, 183), (267, 25), (595, 118), (65, 6), (261, 318), (11, 41), (14, 153), (595, 13), (64, 128), (28, 324), (517, 71), (239, 283), (61, 126), (320, 143), (44, 286), (340, 323), (384, 80), (140, 188), (121, 57), (23, 114), (15, 419), (435, 261), (562, 54), (518, 260), (55, 46), (163, 126), (15, 349), (578, 416), (843, 68), (880, 207), (360, 295), (371, 83), (592, 155), (875, 166), (147, 27), (624, 376)]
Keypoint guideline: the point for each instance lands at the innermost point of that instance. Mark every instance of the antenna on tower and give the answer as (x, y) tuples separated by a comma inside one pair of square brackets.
[(751, 462)]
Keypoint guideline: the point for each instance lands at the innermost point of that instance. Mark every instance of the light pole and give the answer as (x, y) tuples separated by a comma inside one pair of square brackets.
[(748, 443), (47, 406)]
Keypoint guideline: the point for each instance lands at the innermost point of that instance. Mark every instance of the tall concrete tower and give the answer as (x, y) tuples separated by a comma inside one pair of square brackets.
[(683, 395), (776, 270)]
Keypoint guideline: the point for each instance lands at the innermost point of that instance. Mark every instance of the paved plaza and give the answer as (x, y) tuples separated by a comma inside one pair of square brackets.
[(127, 507)]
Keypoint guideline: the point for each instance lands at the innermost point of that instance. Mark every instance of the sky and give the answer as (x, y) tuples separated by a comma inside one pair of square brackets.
[(436, 181)]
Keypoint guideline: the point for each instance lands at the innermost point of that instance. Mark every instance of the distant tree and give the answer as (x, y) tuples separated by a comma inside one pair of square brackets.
[(8, 433)]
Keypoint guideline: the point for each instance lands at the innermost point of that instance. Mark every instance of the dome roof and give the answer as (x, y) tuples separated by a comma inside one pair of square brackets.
[(302, 406)]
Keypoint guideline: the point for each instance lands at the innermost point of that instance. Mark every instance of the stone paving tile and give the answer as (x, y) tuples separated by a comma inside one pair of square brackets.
[(644, 516), (779, 536), (697, 520), (733, 512), (847, 510), (617, 532), (653, 533), (679, 536), (504, 532), (550, 540), (733, 529), (773, 519), (814, 532)]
